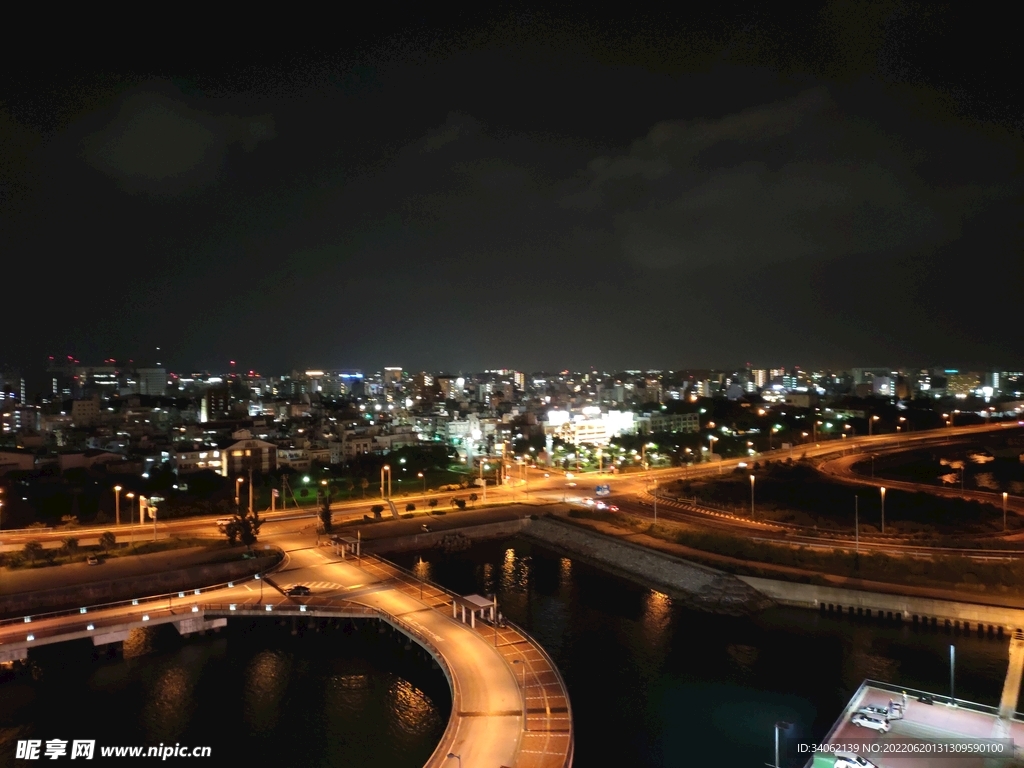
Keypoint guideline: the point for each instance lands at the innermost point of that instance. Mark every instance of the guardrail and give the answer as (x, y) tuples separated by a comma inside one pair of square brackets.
[(147, 600)]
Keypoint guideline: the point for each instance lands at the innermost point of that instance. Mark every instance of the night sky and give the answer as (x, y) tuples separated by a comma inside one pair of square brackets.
[(836, 187)]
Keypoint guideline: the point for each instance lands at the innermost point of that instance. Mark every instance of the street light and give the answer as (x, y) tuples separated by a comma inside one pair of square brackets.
[(751, 497), (238, 486), (781, 725), (385, 468), (871, 422), (117, 504), (882, 489), (421, 476), (1004, 511), (131, 515)]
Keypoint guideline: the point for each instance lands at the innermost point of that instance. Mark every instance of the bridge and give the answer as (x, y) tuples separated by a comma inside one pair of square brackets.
[(510, 707)]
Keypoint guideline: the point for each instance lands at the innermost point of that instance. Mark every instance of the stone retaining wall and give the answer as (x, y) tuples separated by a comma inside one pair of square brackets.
[(696, 585)]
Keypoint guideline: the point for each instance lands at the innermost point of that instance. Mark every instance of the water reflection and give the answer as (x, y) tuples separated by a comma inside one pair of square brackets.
[(139, 642), (657, 613), (266, 679), (412, 712)]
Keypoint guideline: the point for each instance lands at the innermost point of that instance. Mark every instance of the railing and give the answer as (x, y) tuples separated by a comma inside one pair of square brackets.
[(547, 658), (179, 594), (561, 683)]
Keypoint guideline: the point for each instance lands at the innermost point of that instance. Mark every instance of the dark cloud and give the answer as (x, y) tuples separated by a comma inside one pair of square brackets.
[(829, 186), (160, 145)]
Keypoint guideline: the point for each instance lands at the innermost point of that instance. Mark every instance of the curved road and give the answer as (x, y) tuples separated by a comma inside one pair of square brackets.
[(490, 706)]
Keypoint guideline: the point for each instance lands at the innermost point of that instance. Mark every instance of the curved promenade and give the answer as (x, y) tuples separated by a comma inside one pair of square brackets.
[(496, 720)]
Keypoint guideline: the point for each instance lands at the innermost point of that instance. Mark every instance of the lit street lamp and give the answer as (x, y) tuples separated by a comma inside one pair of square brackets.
[(385, 468), (751, 497), (131, 515), (424, 479), (882, 489), (117, 504), (238, 486), (1004, 511), (871, 422)]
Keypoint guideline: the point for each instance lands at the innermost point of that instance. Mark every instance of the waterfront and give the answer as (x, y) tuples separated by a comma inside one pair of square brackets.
[(651, 684), (349, 695)]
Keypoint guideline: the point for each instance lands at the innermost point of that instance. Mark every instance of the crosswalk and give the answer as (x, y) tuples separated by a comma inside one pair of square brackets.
[(317, 585)]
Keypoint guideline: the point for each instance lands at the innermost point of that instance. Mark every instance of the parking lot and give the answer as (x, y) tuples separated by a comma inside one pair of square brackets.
[(925, 724)]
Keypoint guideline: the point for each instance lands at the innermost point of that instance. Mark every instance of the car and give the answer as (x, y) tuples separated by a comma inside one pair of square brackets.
[(547, 474), (299, 590), (612, 508), (570, 485), (569, 475), (871, 721), (588, 501), (93, 560), (643, 504), (874, 710), (600, 505), (425, 528), (223, 522), (850, 760)]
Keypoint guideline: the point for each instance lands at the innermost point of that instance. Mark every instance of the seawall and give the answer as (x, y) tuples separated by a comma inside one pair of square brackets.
[(921, 610), (698, 586)]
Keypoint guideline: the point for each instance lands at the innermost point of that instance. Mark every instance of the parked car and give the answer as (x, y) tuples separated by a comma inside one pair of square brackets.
[(874, 711), (850, 760), (299, 590), (873, 722), (93, 560)]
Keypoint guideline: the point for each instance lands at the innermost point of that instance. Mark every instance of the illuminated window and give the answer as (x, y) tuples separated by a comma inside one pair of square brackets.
[(248, 453), (236, 453)]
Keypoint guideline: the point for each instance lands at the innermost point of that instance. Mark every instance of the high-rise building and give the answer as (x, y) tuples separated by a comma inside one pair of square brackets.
[(152, 381)]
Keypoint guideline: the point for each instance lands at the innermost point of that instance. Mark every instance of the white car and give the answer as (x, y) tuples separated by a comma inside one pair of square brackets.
[(850, 760), (870, 721), (600, 505)]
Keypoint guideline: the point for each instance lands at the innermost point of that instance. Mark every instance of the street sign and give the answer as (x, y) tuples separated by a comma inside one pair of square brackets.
[(602, 490)]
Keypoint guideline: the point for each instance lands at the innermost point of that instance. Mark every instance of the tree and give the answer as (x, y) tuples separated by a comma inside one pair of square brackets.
[(326, 519), (460, 503), (377, 509), (70, 545), (364, 484), (107, 541), (432, 503), (472, 498), (410, 507), (244, 527), (69, 521), (33, 550)]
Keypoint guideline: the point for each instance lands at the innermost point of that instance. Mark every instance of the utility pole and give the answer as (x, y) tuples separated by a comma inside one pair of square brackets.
[(250, 489), (856, 523), (655, 501)]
